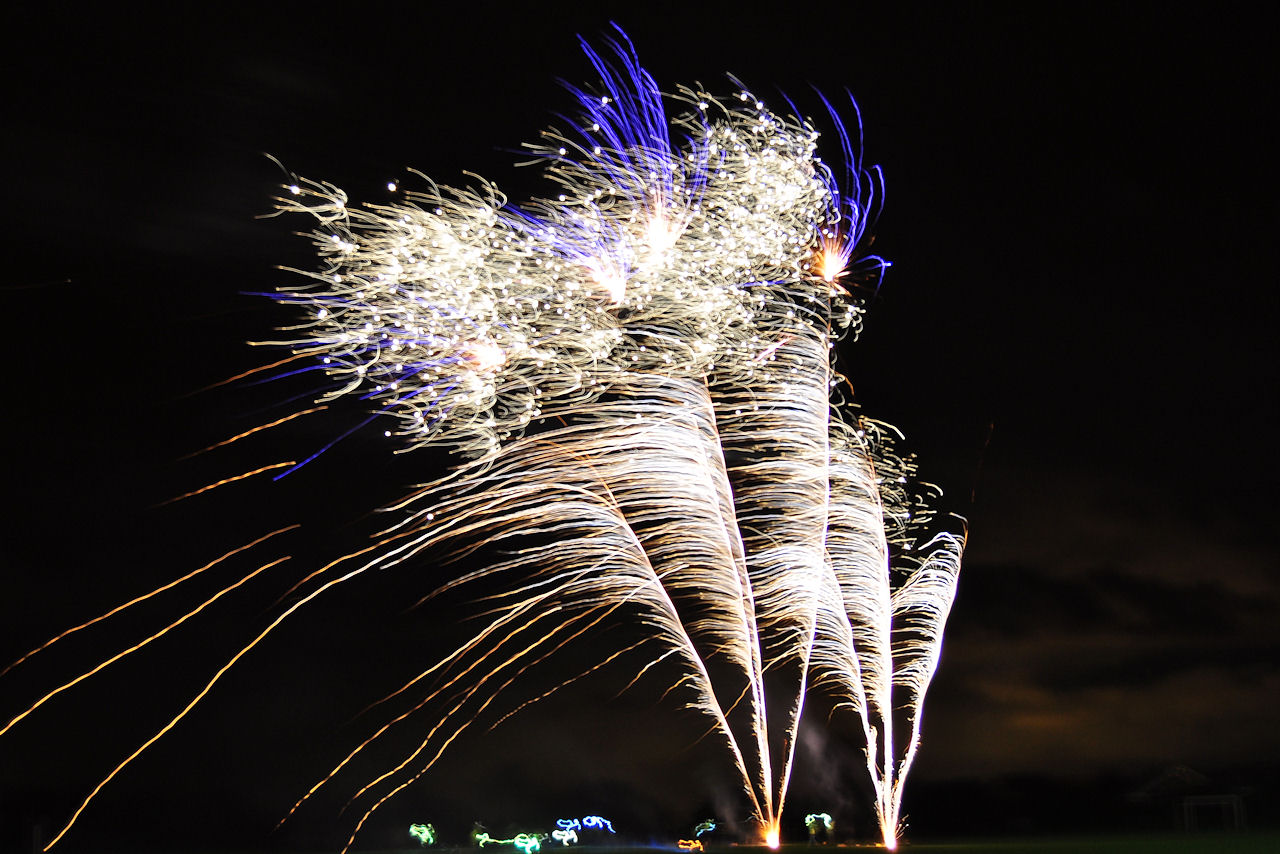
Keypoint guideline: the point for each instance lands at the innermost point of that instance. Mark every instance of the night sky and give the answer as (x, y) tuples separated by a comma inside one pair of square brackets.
[(1077, 337)]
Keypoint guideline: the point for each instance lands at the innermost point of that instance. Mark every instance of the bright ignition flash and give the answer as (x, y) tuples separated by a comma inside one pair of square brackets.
[(661, 233), (486, 356), (609, 279), (771, 837), (832, 258)]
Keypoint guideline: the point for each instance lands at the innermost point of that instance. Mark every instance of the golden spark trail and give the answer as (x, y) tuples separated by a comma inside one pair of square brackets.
[(113, 659), (225, 481), (145, 596), (259, 369), (158, 735), (251, 432), (203, 692)]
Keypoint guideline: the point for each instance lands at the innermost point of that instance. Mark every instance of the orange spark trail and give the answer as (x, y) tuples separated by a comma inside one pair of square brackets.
[(456, 733), (113, 659), (250, 432), (469, 646), (286, 360), (322, 570), (145, 596), (200, 696), (227, 480)]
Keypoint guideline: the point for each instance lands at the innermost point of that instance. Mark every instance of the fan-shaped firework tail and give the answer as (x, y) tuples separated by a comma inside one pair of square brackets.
[(638, 372)]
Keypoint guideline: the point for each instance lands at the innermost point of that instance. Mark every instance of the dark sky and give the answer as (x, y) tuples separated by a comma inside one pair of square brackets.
[(1077, 336)]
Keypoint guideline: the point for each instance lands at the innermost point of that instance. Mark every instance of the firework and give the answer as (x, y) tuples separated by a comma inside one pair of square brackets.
[(637, 371)]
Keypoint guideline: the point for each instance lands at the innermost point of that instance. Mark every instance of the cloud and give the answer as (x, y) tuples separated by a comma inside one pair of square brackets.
[(1066, 521), (1018, 601), (1101, 670), (1106, 622), (1202, 716)]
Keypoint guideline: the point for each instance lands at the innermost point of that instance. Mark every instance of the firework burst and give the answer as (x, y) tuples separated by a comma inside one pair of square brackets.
[(637, 371)]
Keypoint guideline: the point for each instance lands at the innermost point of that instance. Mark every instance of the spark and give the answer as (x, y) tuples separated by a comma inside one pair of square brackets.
[(227, 480), (166, 728), (132, 649), (259, 369), (251, 431), (222, 671), (609, 279), (145, 596)]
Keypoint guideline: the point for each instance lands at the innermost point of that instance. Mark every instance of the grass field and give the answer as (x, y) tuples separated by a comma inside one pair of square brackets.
[(1205, 843), (1202, 843)]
